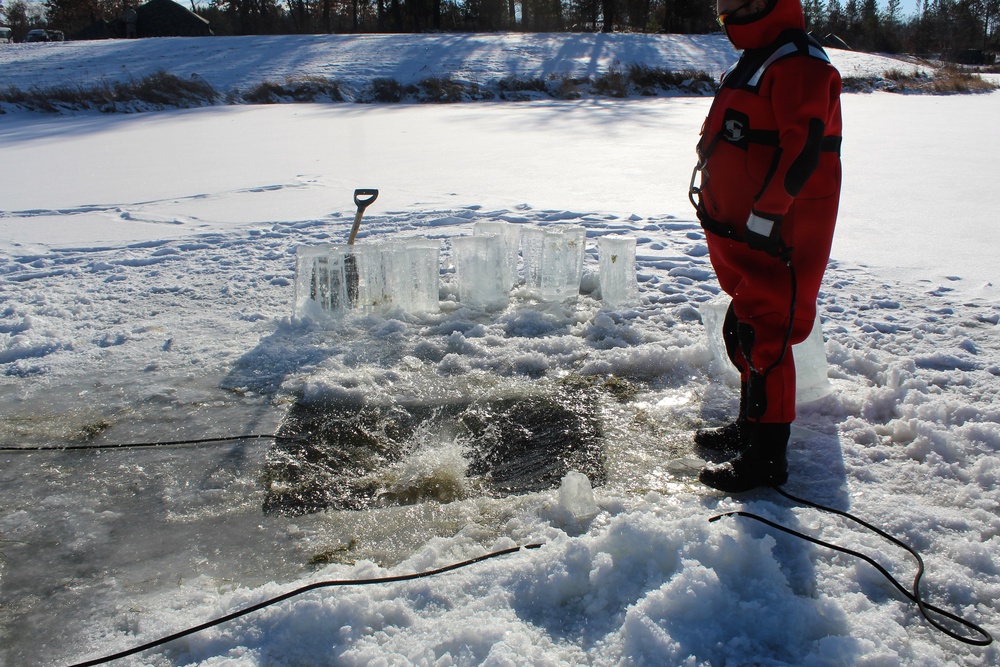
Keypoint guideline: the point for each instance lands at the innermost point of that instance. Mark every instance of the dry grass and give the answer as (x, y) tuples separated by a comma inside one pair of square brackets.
[(613, 83), (162, 90), (442, 90), (296, 89), (157, 91), (519, 89), (563, 87), (658, 78), (519, 84), (385, 90), (940, 81), (649, 81), (166, 89), (952, 80)]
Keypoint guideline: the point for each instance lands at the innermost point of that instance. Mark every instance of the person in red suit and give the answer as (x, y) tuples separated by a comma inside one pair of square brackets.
[(767, 188)]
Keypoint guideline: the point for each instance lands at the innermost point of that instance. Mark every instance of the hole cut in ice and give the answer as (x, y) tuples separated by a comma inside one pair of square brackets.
[(357, 455)]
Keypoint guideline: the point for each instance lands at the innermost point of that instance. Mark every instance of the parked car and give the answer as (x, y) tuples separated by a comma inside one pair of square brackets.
[(39, 35), (6, 36)]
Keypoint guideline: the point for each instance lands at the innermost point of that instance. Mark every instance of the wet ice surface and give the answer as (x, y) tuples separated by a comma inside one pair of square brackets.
[(488, 408)]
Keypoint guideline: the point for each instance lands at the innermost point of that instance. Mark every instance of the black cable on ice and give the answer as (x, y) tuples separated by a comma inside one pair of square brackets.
[(137, 445), (294, 593), (915, 596)]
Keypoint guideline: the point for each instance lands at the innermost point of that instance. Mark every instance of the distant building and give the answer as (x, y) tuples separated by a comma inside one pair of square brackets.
[(156, 18), (166, 18)]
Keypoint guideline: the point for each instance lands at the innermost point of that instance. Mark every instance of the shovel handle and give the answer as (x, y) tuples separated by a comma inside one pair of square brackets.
[(370, 195), (363, 197)]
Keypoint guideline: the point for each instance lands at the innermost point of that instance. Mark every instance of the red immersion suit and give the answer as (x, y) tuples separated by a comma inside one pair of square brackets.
[(770, 148)]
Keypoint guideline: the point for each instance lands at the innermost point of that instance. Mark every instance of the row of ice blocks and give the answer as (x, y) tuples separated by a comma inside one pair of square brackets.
[(499, 256), (332, 279), (550, 267)]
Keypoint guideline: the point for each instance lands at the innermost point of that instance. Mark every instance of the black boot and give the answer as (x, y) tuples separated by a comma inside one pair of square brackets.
[(762, 463), (730, 439)]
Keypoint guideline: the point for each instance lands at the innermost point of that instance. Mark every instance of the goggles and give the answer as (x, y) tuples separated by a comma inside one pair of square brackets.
[(722, 18)]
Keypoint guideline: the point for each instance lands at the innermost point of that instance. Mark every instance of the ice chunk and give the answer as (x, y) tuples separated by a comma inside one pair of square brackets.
[(412, 267), (368, 278), (553, 261), (616, 270), (572, 248), (576, 496), (479, 269), (532, 243), (321, 279), (811, 366), (811, 381), (333, 279), (510, 235)]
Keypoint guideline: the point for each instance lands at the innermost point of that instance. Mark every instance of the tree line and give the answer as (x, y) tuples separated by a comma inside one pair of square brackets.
[(938, 26)]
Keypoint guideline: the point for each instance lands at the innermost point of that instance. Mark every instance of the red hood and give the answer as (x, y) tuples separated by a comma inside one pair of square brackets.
[(762, 29)]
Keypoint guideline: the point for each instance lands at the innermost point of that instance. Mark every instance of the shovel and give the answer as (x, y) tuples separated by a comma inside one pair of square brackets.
[(363, 198)]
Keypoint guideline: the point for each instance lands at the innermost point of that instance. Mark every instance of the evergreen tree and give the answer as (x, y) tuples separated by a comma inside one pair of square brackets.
[(852, 17), (71, 16), (869, 25), (815, 13), (893, 11), (487, 15), (941, 26), (584, 15), (689, 16), (991, 21), (19, 19), (835, 21)]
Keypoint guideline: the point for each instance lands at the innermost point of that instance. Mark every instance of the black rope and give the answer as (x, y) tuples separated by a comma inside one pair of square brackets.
[(137, 445), (793, 288), (294, 593), (915, 596)]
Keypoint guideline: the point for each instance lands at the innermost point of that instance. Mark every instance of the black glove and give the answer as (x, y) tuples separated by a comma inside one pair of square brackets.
[(764, 234)]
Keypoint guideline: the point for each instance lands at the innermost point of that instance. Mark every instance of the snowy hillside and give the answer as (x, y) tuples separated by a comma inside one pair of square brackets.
[(146, 291), (234, 65)]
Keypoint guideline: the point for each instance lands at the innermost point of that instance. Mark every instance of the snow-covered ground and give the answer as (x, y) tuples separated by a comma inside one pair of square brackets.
[(229, 63), (147, 267)]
